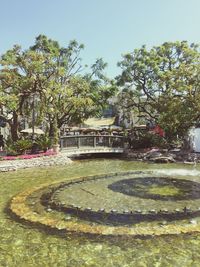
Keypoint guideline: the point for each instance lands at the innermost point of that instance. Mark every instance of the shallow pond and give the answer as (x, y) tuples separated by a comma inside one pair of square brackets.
[(24, 245)]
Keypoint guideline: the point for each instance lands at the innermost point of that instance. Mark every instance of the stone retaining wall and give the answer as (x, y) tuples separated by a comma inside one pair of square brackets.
[(158, 156), (163, 156), (12, 165)]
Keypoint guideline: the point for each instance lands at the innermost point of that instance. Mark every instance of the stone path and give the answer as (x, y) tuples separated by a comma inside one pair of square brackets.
[(12, 165)]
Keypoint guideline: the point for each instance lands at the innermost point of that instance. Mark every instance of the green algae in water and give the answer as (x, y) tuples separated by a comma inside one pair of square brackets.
[(38, 248), (166, 190)]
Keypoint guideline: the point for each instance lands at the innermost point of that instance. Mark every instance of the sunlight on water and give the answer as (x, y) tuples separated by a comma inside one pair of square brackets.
[(27, 246), (177, 172)]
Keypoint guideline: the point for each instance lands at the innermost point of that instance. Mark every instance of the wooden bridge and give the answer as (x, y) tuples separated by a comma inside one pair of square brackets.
[(87, 144)]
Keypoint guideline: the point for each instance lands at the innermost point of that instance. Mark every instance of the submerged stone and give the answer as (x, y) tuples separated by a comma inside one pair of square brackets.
[(97, 208)]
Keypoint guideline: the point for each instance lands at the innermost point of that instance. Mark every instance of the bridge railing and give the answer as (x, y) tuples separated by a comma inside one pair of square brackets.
[(78, 141)]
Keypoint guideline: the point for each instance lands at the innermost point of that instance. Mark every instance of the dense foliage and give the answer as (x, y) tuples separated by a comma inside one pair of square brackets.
[(48, 80), (163, 85), (48, 85)]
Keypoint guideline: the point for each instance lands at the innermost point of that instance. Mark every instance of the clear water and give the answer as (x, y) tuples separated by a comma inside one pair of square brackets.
[(132, 192), (23, 245)]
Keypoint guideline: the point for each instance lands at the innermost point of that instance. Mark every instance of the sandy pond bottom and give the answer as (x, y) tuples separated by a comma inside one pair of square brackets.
[(24, 245)]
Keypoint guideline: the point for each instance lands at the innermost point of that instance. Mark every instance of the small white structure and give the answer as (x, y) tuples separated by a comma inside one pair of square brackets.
[(194, 139), (4, 131), (30, 131)]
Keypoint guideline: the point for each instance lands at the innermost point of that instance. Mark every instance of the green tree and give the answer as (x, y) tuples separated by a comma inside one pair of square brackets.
[(21, 77), (163, 84), (52, 75), (72, 96)]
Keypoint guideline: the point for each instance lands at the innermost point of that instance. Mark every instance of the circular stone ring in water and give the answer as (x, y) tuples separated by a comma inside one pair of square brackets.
[(89, 204)]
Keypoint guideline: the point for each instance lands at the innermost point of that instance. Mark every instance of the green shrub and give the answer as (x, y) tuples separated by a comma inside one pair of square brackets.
[(10, 151), (43, 142), (21, 146), (147, 140)]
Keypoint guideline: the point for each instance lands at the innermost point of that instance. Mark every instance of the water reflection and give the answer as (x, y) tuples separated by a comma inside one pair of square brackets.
[(158, 188), (25, 246)]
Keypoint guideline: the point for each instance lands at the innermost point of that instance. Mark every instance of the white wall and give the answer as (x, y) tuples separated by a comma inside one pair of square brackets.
[(194, 136)]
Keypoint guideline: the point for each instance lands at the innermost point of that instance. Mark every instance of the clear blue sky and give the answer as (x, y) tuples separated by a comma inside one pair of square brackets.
[(107, 28)]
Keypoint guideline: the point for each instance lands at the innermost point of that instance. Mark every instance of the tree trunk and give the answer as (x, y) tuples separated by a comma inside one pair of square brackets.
[(51, 129), (14, 127)]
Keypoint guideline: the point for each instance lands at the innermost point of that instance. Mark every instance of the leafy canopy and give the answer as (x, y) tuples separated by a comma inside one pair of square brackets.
[(49, 79), (163, 84)]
